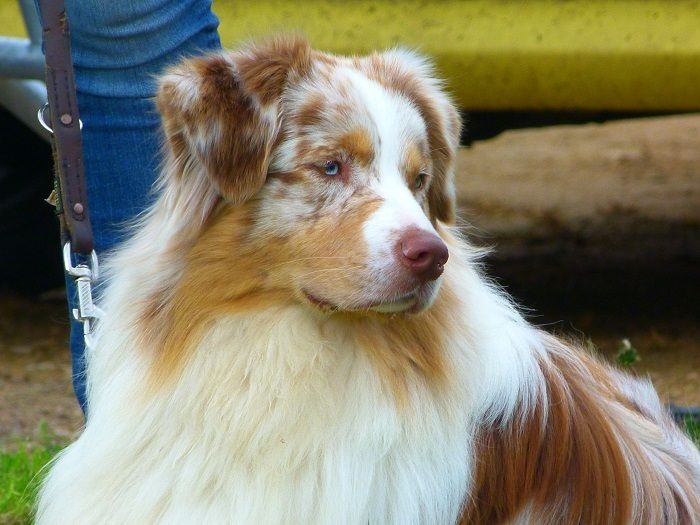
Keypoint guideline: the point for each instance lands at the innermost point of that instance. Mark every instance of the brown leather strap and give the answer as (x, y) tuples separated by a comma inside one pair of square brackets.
[(65, 121)]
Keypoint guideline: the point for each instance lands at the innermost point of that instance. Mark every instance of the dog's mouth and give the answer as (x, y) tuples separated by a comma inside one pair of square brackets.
[(405, 303)]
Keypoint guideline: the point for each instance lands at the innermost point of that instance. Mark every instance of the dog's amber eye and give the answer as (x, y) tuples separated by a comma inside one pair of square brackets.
[(331, 168), (419, 181)]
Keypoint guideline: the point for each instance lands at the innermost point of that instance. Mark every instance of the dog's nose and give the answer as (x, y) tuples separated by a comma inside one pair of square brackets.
[(423, 253)]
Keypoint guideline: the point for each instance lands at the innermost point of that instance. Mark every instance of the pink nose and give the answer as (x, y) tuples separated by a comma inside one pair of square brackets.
[(423, 253)]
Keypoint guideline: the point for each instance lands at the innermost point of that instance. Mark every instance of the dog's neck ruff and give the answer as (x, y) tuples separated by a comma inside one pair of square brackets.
[(280, 417)]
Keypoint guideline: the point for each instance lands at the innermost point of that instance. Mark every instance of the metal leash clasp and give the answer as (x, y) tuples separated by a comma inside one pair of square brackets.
[(85, 274)]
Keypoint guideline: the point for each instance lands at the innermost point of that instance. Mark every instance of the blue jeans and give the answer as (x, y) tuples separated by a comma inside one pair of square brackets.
[(118, 48)]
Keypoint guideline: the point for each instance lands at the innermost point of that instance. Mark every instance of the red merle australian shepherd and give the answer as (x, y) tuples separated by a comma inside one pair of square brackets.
[(296, 333)]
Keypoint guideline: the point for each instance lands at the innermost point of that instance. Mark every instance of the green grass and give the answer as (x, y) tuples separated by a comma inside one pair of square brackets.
[(693, 429), (20, 474), (627, 355)]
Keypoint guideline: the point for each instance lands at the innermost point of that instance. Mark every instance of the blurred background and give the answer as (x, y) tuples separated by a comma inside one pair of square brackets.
[(580, 166)]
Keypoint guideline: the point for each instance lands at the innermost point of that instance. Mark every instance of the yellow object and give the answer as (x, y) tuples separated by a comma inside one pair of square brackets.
[(501, 54), (11, 23), (563, 55)]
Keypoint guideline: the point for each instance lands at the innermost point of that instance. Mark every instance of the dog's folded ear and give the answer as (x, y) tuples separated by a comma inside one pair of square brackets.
[(221, 111)]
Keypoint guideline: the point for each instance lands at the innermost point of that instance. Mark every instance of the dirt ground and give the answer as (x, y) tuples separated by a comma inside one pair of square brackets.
[(596, 230)]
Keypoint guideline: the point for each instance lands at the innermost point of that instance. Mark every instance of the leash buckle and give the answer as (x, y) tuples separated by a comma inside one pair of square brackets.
[(85, 274)]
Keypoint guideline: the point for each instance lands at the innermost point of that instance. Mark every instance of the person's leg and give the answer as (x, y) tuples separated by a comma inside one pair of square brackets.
[(118, 48)]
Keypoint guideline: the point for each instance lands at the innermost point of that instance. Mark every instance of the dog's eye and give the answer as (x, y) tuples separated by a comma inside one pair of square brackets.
[(419, 181), (331, 168)]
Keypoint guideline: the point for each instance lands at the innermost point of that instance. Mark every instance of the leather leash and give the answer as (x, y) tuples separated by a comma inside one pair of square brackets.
[(65, 123), (70, 195)]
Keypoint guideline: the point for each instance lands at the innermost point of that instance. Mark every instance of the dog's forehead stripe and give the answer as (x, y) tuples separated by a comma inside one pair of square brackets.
[(395, 121), (399, 128)]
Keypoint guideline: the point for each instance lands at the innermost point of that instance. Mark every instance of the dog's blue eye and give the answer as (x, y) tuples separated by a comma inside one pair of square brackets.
[(331, 168)]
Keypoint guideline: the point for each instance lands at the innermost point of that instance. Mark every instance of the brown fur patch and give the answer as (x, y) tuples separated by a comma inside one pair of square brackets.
[(330, 249), (358, 144), (224, 274), (212, 109), (414, 162), (311, 112), (265, 70), (565, 449), (569, 459)]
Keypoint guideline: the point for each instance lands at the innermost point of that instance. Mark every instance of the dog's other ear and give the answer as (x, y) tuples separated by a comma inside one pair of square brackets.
[(221, 111), (414, 77)]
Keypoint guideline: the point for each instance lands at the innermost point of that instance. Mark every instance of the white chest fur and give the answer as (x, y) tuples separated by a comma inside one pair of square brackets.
[(274, 420)]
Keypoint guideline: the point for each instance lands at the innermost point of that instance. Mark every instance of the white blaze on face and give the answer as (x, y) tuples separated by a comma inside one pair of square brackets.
[(398, 125)]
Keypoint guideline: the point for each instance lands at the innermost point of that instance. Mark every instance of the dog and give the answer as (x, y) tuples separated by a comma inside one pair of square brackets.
[(297, 333)]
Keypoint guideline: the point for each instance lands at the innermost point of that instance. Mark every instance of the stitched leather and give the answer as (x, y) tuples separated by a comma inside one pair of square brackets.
[(65, 121)]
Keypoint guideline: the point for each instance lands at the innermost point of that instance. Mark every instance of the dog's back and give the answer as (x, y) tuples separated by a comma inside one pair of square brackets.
[(286, 340)]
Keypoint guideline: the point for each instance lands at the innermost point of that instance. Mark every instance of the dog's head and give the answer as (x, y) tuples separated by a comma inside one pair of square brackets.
[(335, 172)]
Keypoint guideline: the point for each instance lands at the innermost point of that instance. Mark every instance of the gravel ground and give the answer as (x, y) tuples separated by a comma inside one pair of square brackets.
[(35, 375)]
